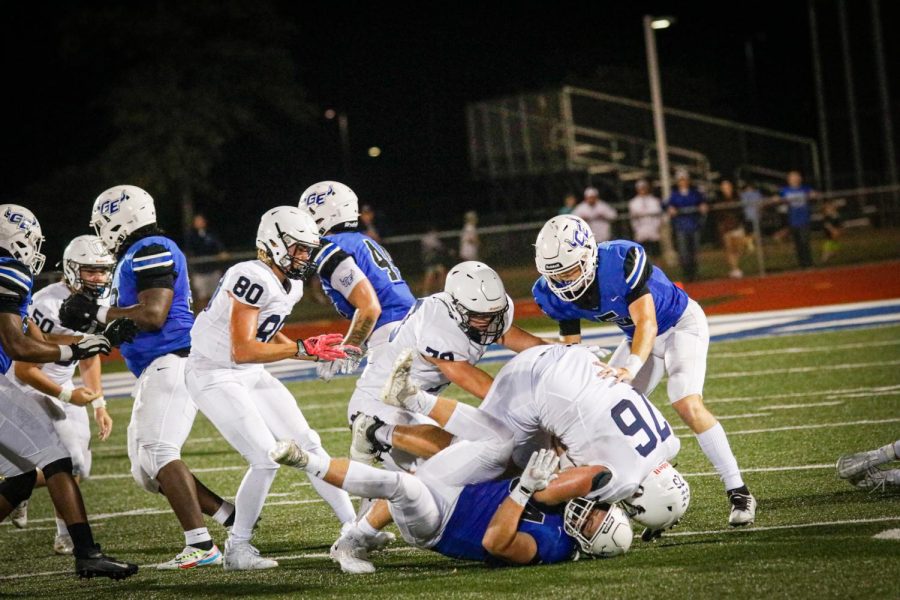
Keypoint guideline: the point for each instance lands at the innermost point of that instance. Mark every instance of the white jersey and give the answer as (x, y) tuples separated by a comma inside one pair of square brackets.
[(555, 389), (431, 329), (44, 312), (251, 283)]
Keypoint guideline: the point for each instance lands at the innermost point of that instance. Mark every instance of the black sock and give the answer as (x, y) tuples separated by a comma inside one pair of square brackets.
[(82, 539), (230, 520), (207, 545), (741, 490)]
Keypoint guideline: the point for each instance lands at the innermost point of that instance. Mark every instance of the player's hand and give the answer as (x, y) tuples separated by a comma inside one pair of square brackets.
[(79, 312), (540, 470), (88, 346), (104, 424), (598, 351), (621, 374), (121, 331), (354, 357), (82, 396), (327, 370), (322, 347)]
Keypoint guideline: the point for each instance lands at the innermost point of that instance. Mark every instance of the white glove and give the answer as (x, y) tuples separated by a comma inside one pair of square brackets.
[(347, 366), (327, 370), (537, 475), (598, 351), (89, 345)]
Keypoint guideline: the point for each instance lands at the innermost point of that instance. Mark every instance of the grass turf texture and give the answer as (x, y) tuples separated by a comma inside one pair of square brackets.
[(747, 388)]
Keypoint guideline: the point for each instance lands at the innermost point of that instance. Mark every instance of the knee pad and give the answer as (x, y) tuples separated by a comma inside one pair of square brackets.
[(62, 465), (154, 456), (18, 489)]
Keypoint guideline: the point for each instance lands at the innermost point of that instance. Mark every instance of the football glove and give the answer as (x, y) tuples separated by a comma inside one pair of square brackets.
[(79, 312), (121, 331), (322, 347), (537, 475), (327, 370), (88, 346)]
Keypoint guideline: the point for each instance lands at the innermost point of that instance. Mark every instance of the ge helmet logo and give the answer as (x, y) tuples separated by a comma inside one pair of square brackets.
[(579, 236), (319, 198), (111, 207), (18, 219)]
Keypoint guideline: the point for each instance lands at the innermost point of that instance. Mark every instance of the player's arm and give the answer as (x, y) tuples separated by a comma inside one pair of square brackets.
[(467, 376), (345, 277), (150, 313), (576, 482), (519, 340), (91, 375), (20, 347), (245, 348)]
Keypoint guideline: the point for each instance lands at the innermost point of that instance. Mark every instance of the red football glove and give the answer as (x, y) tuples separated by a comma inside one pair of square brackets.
[(322, 347)]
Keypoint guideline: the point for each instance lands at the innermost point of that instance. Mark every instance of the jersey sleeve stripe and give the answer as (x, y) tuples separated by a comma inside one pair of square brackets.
[(17, 274), (155, 265), (18, 282), (325, 254), (635, 276), (152, 256)]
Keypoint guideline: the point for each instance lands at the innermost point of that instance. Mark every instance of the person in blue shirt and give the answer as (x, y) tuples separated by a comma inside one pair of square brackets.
[(357, 274), (687, 208), (29, 441), (665, 331), (151, 287), (797, 196)]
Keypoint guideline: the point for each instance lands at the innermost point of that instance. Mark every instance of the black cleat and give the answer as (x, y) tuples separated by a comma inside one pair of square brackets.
[(651, 535), (97, 564)]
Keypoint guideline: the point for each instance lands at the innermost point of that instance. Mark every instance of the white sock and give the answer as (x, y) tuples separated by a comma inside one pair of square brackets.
[(424, 402), (338, 499), (893, 450), (224, 511), (248, 502), (196, 536), (61, 528), (366, 528), (715, 446), (385, 434), (317, 465)]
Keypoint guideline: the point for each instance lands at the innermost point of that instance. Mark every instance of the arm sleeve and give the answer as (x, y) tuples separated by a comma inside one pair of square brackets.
[(637, 271), (15, 286), (154, 267), (327, 258), (570, 327), (345, 275)]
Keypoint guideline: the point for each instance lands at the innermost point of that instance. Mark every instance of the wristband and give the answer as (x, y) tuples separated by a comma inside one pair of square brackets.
[(102, 313), (634, 364), (520, 495), (65, 395), (98, 403), (65, 353), (303, 353)]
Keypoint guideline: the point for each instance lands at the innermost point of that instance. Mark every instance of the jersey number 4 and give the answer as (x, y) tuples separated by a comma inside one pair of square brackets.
[(381, 258), (636, 424)]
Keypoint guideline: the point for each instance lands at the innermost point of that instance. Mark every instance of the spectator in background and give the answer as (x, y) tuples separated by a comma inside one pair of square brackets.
[(597, 213), (752, 202), (796, 197), (645, 211), (831, 222), (568, 206), (729, 224), (468, 237), (687, 207), (434, 255), (205, 274), (367, 222)]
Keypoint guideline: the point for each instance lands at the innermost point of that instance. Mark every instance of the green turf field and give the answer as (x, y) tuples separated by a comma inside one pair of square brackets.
[(791, 406)]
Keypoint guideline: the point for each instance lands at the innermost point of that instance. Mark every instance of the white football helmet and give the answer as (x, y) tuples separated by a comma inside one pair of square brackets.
[(566, 242), (331, 204), (120, 211), (661, 500), (478, 294), (20, 235), (281, 228), (87, 251), (611, 538)]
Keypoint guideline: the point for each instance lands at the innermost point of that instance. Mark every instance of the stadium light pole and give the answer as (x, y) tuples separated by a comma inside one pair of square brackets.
[(659, 126)]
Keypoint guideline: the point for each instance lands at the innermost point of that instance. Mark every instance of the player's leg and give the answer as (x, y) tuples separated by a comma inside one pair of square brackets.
[(855, 466), (685, 359)]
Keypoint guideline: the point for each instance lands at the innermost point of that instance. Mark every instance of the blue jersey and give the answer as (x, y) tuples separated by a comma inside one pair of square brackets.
[(624, 274), (16, 284), (797, 198), (474, 510), (376, 264), (154, 262)]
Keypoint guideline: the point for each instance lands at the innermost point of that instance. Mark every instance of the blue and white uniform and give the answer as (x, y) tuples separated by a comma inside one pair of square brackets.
[(28, 439), (163, 412), (624, 274)]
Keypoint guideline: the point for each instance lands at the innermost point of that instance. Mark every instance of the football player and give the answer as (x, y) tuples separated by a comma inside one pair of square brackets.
[(87, 268), (861, 469), (238, 332), (28, 440), (665, 331), (151, 287), (356, 272)]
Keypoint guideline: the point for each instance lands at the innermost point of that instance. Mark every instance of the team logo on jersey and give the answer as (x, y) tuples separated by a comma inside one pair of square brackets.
[(347, 280), (579, 235), (19, 219), (110, 207), (319, 198)]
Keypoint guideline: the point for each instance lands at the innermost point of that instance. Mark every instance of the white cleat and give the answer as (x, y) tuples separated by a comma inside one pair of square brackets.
[(19, 515), (379, 541), (351, 555), (191, 557), (63, 545), (242, 556), (399, 390), (876, 480), (364, 447), (743, 509), (287, 452), (852, 466)]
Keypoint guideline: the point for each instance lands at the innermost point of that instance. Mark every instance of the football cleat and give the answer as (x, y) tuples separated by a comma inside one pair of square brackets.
[(19, 515), (851, 466), (351, 554), (97, 564), (63, 545), (399, 390), (364, 447), (287, 452), (379, 541), (191, 557), (242, 556), (876, 480), (743, 509)]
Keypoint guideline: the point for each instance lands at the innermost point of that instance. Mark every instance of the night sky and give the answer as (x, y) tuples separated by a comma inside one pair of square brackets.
[(403, 74)]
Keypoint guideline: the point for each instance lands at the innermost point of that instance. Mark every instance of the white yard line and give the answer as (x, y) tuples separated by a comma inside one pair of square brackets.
[(863, 392), (794, 370), (800, 405), (817, 426), (766, 470), (802, 349)]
